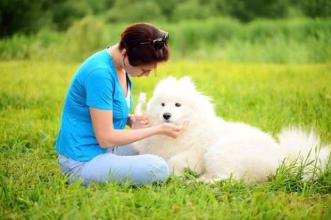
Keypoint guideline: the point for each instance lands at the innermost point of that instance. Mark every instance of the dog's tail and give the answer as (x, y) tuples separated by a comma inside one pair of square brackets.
[(300, 145)]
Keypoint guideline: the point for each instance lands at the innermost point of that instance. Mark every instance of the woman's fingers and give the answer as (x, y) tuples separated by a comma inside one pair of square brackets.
[(139, 121), (172, 130)]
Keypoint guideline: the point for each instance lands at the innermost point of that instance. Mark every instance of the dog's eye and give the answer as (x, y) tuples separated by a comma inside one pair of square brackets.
[(162, 104), (178, 104)]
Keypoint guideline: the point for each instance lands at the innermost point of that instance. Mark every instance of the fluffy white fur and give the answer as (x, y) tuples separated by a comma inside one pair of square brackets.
[(217, 149)]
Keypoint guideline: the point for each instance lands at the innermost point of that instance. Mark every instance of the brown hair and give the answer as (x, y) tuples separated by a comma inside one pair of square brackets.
[(137, 40)]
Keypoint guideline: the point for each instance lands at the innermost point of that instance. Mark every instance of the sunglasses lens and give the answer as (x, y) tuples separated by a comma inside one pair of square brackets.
[(158, 44)]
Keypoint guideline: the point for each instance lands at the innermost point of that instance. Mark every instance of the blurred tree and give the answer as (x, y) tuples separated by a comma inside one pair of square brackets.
[(100, 6), (315, 8), (167, 7), (28, 16), (134, 11), (221, 7), (193, 9), (21, 15), (65, 12), (247, 10)]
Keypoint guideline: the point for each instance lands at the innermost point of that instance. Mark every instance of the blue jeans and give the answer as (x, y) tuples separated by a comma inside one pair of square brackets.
[(119, 164)]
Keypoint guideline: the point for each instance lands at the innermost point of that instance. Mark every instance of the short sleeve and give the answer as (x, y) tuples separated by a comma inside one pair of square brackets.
[(99, 87)]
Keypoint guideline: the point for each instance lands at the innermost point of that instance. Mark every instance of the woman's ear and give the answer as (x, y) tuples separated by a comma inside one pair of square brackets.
[(123, 52)]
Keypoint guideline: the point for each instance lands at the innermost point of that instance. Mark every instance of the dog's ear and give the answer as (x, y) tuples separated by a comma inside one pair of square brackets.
[(187, 82)]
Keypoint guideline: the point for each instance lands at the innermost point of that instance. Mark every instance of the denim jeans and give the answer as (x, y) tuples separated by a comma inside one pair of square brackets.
[(119, 164)]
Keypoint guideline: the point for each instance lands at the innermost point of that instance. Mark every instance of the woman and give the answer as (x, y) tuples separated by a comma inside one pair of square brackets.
[(92, 143)]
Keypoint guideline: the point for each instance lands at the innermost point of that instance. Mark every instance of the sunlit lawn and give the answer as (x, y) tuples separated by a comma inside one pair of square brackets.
[(265, 95)]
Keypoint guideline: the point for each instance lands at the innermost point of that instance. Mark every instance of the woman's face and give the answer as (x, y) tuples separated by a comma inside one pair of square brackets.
[(142, 70)]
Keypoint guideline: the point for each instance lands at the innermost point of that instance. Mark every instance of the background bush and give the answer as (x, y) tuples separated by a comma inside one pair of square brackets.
[(299, 40), (279, 31)]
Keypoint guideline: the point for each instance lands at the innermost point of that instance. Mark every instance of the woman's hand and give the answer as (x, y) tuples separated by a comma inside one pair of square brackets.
[(172, 130), (136, 122)]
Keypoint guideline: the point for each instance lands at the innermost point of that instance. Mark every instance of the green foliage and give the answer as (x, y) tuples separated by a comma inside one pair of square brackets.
[(138, 11), (316, 8), (167, 7), (84, 37), (266, 41), (247, 10), (277, 41), (23, 16), (31, 16), (192, 10), (39, 45), (266, 95), (67, 12), (100, 6)]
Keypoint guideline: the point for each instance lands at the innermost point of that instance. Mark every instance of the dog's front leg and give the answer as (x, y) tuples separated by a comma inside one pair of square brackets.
[(187, 159)]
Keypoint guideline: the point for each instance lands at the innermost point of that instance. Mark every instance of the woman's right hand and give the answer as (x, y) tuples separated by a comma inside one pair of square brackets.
[(170, 129)]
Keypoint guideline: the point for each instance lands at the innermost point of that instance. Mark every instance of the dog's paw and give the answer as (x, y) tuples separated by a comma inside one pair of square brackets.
[(211, 180)]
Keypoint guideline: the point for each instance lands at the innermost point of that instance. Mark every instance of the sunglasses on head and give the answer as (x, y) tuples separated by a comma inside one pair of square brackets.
[(157, 43)]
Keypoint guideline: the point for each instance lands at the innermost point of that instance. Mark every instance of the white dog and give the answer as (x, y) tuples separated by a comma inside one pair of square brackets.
[(216, 149)]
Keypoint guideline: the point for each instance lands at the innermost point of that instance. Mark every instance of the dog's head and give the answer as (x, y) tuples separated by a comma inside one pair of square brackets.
[(177, 101)]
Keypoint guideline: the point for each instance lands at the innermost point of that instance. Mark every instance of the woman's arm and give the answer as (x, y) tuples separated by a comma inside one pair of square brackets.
[(107, 136)]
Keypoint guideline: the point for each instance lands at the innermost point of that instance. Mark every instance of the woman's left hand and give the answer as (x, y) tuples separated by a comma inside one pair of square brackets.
[(140, 121)]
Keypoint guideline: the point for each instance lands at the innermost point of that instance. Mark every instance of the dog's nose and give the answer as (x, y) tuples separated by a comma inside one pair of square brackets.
[(166, 115)]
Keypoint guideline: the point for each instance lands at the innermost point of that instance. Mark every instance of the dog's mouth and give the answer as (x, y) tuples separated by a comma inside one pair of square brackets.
[(167, 120), (171, 121)]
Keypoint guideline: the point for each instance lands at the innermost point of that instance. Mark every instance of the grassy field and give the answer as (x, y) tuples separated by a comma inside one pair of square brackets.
[(266, 95)]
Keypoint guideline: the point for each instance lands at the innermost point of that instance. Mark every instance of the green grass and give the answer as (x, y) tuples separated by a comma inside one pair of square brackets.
[(268, 96)]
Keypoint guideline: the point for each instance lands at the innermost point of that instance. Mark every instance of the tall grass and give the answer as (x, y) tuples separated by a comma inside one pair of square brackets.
[(300, 40)]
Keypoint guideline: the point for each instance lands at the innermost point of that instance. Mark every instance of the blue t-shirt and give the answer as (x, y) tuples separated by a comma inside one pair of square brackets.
[(96, 85)]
